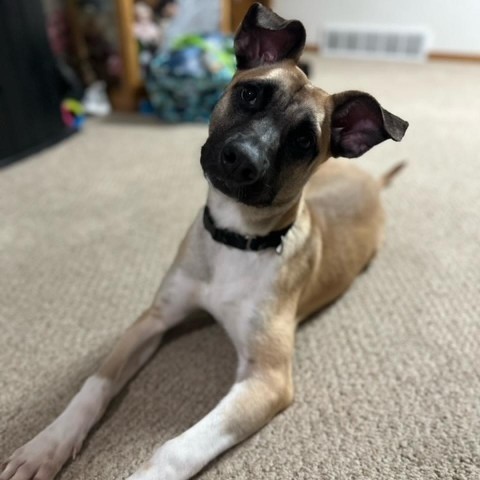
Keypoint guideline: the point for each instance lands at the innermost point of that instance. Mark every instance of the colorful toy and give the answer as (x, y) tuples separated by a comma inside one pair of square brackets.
[(73, 113)]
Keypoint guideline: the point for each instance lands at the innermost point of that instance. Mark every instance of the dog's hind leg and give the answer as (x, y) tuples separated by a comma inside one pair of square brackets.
[(45, 454)]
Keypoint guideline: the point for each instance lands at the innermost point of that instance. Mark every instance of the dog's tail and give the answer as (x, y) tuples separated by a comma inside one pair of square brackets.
[(387, 178)]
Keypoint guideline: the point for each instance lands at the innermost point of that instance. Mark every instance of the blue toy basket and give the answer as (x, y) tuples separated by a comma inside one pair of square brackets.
[(185, 83)]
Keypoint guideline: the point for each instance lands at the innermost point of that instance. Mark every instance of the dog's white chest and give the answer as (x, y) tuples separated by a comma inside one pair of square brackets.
[(240, 284)]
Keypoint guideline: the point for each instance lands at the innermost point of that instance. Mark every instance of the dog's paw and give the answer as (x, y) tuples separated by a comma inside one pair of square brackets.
[(39, 459), (154, 472), (169, 462), (145, 473)]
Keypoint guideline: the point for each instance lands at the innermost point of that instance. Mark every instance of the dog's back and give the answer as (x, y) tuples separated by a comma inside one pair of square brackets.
[(347, 213)]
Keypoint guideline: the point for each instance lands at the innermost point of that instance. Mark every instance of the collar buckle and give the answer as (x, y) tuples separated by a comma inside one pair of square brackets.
[(279, 248)]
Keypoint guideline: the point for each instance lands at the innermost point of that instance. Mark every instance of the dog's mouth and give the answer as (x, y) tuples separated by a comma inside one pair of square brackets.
[(258, 194)]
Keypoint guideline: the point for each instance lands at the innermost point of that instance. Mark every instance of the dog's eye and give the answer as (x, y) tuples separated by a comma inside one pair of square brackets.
[(249, 94), (304, 141)]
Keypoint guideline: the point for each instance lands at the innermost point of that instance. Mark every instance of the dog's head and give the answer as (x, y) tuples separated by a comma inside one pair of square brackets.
[(272, 128)]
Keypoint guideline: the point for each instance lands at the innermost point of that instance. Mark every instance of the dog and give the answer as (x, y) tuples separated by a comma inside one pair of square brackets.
[(284, 233)]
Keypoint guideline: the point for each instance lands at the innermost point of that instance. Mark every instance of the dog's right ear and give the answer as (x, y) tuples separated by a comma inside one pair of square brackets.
[(358, 122), (266, 38)]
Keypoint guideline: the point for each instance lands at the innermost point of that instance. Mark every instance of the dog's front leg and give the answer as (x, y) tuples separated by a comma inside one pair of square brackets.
[(263, 388), (43, 456)]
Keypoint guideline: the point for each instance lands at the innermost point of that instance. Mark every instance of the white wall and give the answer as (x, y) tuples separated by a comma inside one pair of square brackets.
[(455, 24)]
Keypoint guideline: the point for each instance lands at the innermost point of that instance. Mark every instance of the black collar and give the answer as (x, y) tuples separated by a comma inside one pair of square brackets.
[(243, 242)]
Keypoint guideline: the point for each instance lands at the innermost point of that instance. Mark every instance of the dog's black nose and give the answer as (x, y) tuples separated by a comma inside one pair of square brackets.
[(241, 162)]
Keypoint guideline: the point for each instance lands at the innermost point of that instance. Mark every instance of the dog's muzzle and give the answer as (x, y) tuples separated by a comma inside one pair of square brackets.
[(240, 163)]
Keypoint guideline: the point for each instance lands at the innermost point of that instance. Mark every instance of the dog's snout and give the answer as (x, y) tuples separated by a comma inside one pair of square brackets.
[(242, 162)]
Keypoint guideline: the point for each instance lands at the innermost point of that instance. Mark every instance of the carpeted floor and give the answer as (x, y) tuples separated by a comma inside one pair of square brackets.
[(387, 379)]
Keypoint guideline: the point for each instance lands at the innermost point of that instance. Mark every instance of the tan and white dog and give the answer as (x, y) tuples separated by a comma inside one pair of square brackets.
[(267, 251)]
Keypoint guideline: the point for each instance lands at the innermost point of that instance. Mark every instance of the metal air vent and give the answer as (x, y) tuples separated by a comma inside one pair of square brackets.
[(377, 42)]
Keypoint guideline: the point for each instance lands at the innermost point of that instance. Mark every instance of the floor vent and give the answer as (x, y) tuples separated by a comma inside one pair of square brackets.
[(383, 43)]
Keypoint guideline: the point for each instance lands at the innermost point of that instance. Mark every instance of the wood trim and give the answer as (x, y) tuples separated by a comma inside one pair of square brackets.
[(311, 47), (129, 48), (226, 16), (125, 97), (455, 57)]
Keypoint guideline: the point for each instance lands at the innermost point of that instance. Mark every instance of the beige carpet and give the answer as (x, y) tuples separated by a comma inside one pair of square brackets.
[(387, 380)]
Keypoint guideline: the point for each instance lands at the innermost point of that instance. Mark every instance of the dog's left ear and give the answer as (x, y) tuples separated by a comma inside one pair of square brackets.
[(358, 123), (266, 38)]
